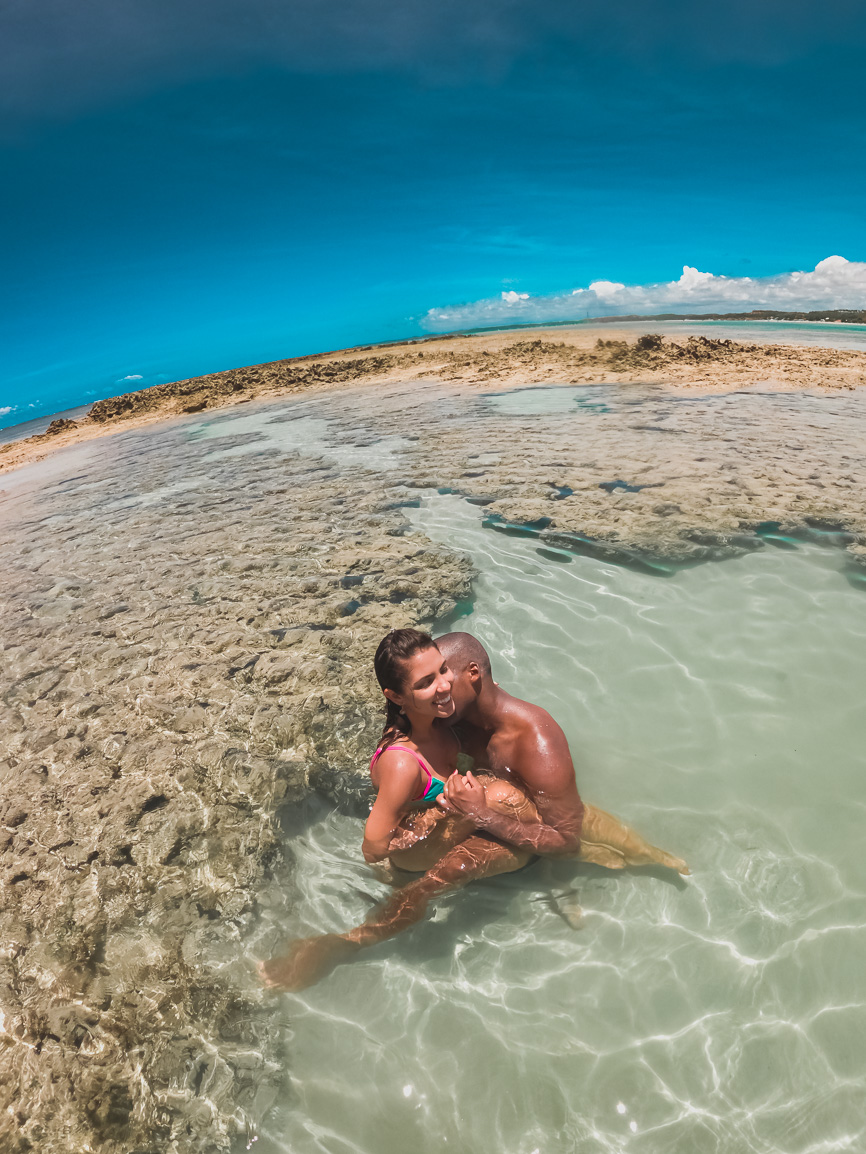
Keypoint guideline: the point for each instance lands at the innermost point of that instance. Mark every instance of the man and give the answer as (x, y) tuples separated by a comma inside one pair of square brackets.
[(532, 807), (522, 744)]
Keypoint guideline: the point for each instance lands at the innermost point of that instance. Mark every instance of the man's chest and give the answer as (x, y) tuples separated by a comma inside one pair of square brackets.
[(492, 752), (500, 757)]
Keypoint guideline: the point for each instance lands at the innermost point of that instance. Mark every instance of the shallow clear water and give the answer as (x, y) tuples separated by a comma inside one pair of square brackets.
[(720, 711), (551, 399), (270, 430)]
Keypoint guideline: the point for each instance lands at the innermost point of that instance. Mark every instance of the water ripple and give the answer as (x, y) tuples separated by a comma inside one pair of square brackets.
[(719, 711)]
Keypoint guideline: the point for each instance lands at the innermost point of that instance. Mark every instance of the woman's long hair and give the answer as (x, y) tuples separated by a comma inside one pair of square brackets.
[(390, 666)]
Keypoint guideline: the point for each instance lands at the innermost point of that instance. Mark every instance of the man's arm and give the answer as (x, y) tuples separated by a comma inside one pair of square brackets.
[(541, 758)]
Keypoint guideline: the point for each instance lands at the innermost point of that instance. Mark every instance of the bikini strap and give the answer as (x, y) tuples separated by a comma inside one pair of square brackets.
[(418, 758)]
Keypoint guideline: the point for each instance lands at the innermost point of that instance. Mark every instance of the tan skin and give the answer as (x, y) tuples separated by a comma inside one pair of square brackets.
[(445, 847), (531, 762), (398, 778), (412, 839), (521, 743)]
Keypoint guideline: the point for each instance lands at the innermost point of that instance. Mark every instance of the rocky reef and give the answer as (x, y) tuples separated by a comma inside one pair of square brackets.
[(190, 608), (176, 665), (579, 355)]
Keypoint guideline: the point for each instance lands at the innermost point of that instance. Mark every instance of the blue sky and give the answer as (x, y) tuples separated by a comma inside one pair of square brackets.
[(189, 186)]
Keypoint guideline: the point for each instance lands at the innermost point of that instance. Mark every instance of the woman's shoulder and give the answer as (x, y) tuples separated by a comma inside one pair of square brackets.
[(399, 755), (401, 758), (400, 767)]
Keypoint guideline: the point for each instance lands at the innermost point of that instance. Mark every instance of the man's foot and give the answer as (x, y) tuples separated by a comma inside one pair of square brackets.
[(607, 841), (308, 960)]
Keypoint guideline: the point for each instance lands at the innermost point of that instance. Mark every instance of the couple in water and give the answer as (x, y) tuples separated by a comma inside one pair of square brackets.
[(452, 828)]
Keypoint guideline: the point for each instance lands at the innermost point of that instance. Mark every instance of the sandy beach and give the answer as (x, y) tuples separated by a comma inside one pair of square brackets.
[(193, 584), (500, 360)]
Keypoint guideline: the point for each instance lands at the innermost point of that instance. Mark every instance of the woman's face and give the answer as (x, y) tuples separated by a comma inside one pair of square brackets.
[(427, 686)]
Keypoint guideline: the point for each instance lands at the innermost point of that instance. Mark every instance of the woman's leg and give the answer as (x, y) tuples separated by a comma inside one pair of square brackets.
[(509, 800), (431, 833), (310, 959), (425, 837)]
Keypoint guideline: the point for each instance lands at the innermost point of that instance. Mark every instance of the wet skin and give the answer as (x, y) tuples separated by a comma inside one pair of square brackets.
[(522, 744), (474, 857), (493, 823), (425, 697)]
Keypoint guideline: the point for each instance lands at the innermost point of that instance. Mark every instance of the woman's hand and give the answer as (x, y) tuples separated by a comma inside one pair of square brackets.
[(464, 795), (372, 852)]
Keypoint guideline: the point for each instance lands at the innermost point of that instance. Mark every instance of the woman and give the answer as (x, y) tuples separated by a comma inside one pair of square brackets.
[(417, 753)]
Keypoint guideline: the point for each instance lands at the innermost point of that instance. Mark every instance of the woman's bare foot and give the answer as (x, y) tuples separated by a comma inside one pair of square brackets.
[(308, 960)]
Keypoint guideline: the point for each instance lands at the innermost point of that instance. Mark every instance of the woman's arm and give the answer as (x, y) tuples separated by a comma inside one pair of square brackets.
[(399, 783)]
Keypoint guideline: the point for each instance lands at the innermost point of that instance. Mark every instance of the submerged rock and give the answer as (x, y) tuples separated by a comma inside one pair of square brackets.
[(150, 736)]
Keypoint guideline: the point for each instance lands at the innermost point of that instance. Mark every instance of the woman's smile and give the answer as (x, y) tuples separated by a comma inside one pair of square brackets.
[(444, 703)]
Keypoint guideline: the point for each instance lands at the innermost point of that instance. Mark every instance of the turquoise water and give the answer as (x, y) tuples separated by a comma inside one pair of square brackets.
[(552, 399), (720, 711)]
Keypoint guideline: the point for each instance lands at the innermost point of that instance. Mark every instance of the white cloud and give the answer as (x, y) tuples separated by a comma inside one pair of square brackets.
[(834, 283), (605, 290), (132, 377), (6, 409)]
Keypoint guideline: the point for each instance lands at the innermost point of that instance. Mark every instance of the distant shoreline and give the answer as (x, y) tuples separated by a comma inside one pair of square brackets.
[(580, 353), (849, 318), (828, 317)]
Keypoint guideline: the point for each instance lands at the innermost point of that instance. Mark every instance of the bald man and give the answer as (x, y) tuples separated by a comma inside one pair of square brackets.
[(522, 745), (525, 802)]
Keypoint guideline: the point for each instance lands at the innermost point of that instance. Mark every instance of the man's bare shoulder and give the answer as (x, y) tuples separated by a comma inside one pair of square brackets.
[(530, 723)]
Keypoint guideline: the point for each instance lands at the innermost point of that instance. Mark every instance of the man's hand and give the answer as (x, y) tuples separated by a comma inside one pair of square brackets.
[(464, 795)]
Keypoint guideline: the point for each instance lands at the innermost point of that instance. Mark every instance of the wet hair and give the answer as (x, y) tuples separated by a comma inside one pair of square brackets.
[(460, 649), (394, 651)]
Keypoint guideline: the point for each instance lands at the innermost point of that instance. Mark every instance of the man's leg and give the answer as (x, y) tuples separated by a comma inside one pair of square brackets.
[(604, 839), (311, 958), (607, 841)]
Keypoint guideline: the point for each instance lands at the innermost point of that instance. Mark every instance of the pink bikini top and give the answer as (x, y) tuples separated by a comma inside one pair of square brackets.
[(433, 786)]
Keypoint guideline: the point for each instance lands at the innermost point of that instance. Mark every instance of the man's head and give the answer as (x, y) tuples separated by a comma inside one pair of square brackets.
[(469, 662)]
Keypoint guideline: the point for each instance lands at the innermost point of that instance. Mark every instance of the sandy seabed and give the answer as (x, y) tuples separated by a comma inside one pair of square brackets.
[(191, 595)]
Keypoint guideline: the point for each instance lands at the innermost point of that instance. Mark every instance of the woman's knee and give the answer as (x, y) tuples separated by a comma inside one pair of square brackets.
[(506, 799)]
